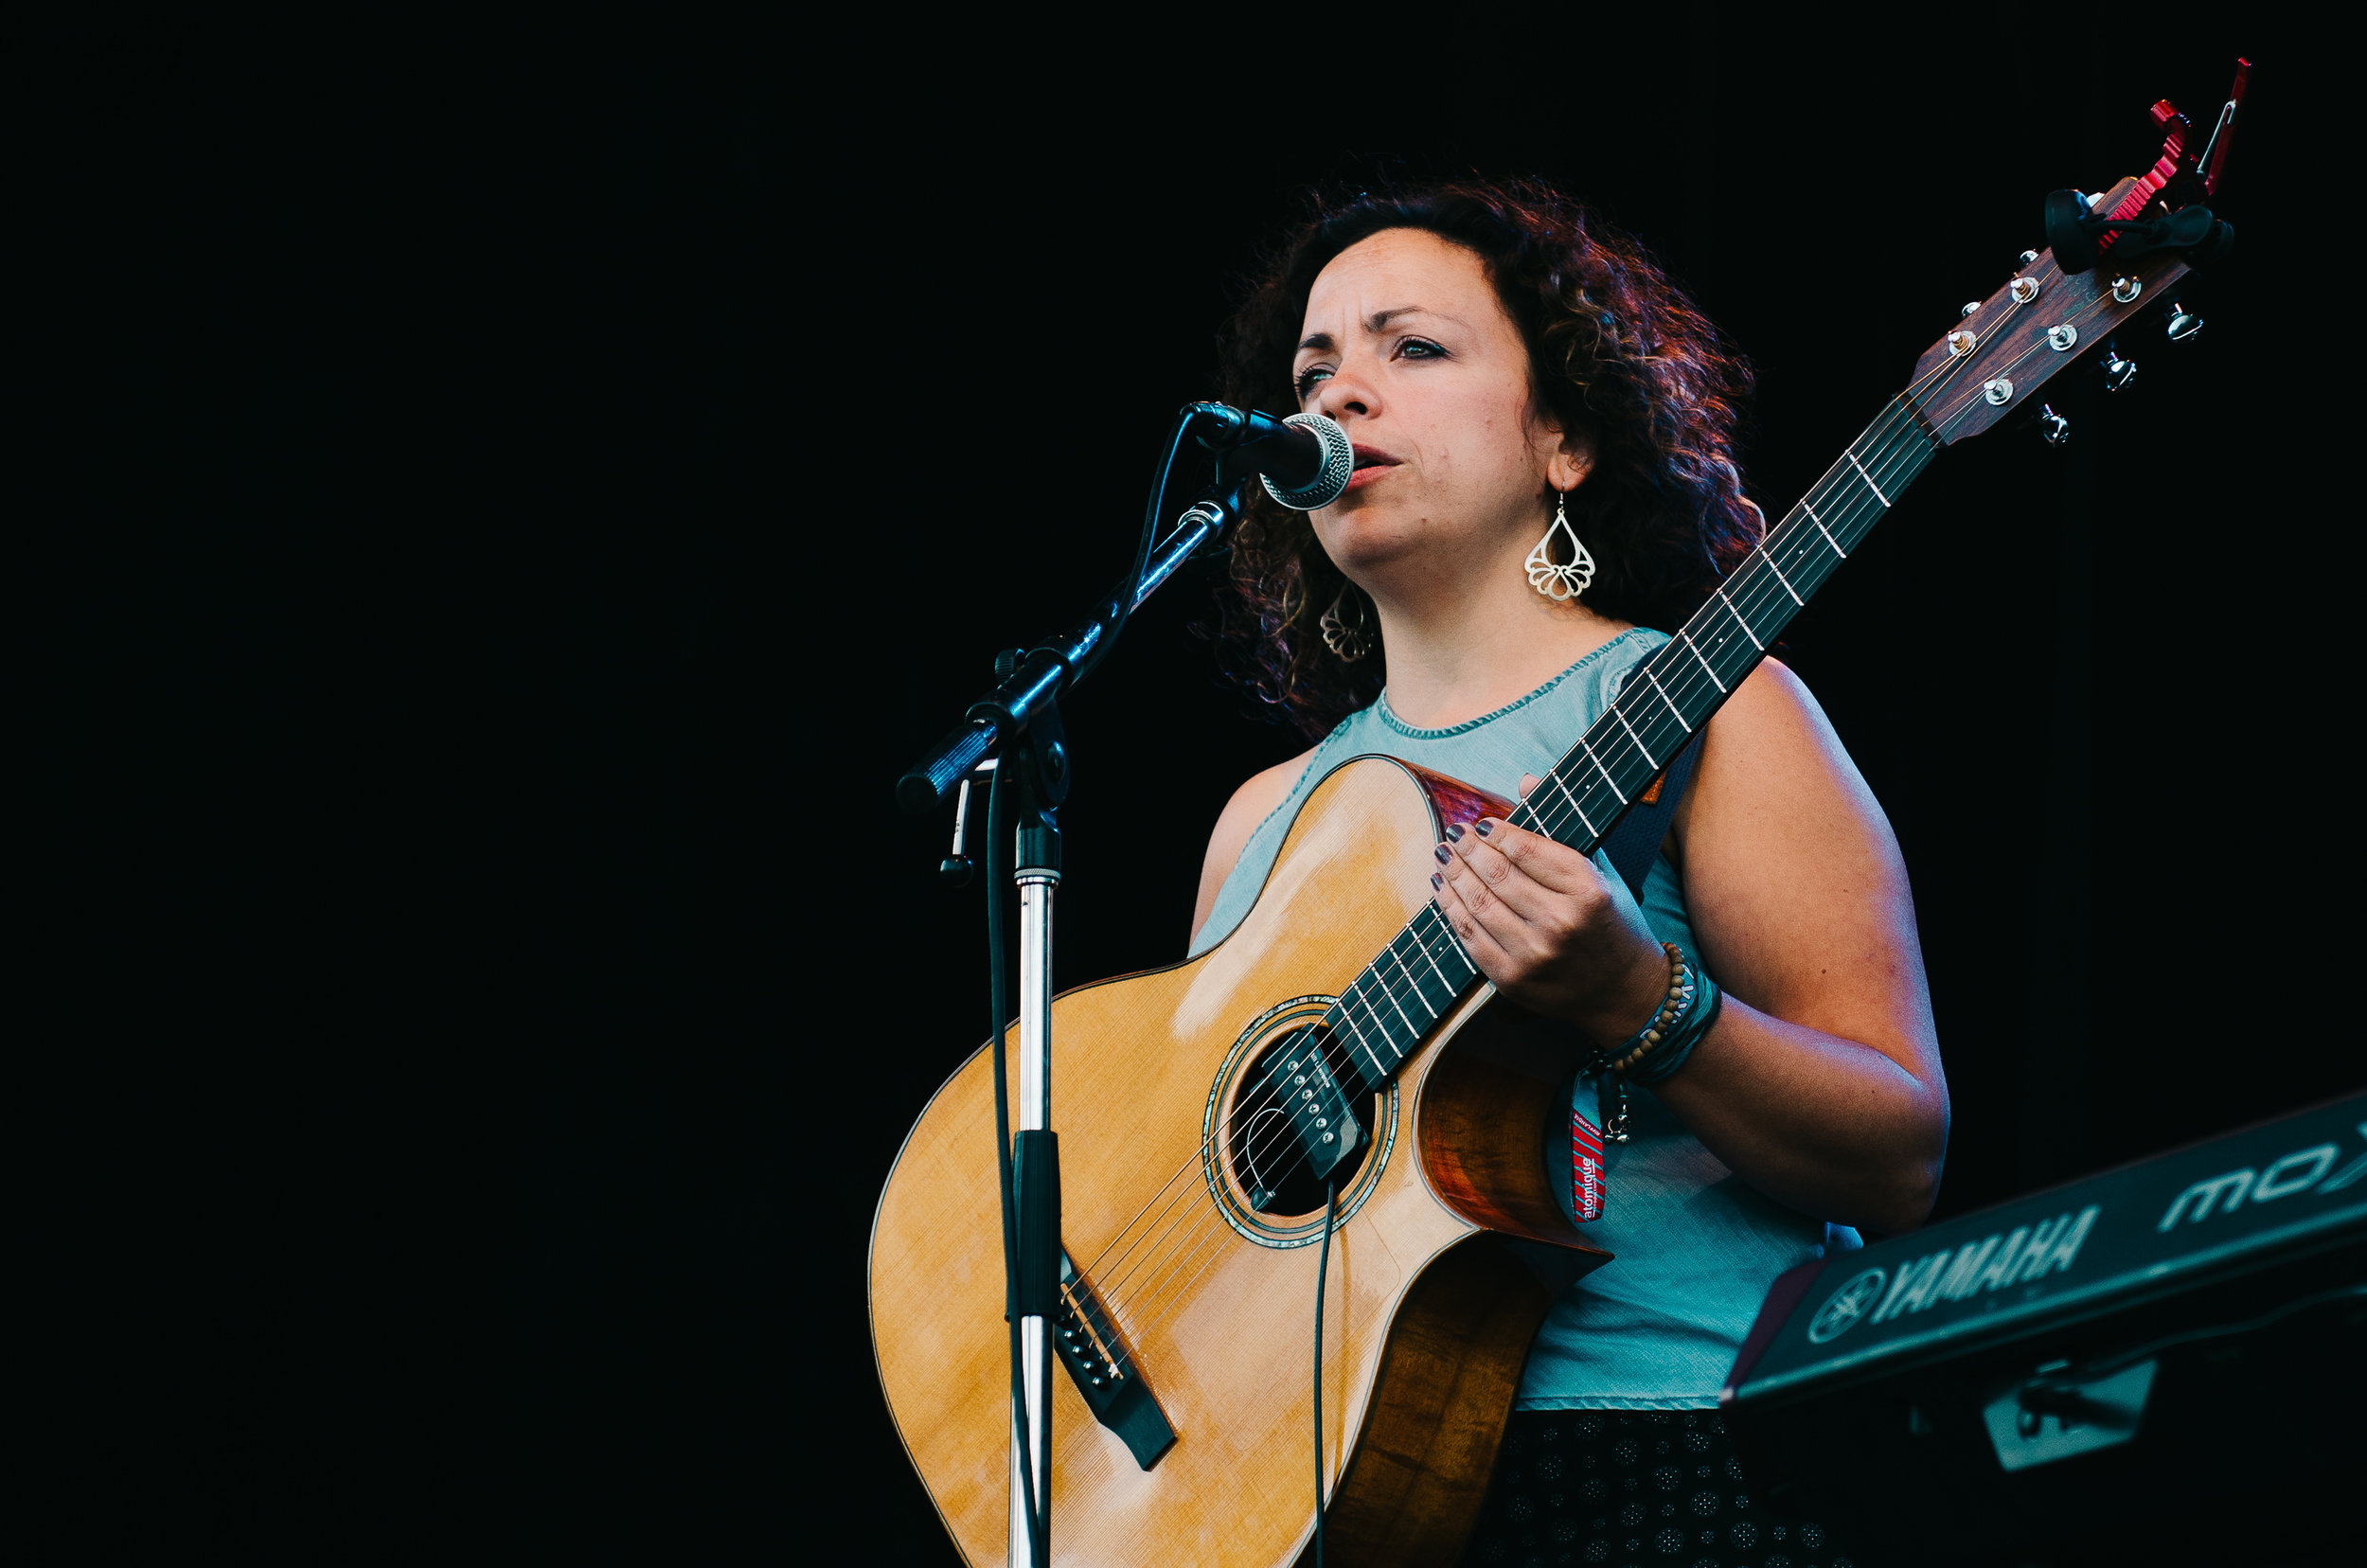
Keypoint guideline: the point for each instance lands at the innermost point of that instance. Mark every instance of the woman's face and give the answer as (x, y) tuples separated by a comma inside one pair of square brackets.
[(1407, 345)]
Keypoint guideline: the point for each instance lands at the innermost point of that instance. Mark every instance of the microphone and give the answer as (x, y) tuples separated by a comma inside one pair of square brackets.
[(1303, 461)]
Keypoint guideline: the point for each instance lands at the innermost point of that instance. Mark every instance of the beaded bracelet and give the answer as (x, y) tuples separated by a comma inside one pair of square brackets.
[(1672, 1008), (1676, 1047), (1654, 1053)]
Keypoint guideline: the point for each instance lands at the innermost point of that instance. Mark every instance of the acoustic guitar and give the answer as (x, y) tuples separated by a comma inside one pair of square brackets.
[(1341, 1032)]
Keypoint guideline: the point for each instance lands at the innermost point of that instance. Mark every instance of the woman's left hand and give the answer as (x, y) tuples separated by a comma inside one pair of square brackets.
[(1553, 934)]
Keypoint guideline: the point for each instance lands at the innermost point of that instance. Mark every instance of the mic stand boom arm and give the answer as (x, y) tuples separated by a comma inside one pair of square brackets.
[(1055, 665)]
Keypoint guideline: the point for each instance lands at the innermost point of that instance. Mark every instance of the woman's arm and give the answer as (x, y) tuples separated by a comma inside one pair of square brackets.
[(1821, 1083)]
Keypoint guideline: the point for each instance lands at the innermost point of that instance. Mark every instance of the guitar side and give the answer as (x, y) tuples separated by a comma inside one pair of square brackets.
[(1428, 1316)]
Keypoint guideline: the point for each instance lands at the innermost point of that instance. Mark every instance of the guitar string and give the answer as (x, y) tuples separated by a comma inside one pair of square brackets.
[(1154, 1302), (1390, 990), (1928, 385), (1150, 1300), (1752, 591), (1769, 555), (1756, 591), (1890, 462), (1758, 584), (1752, 588), (2103, 301), (1750, 584), (1831, 476)]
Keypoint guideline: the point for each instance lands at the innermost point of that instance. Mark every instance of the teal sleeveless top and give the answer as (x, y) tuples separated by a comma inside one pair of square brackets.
[(1695, 1247)]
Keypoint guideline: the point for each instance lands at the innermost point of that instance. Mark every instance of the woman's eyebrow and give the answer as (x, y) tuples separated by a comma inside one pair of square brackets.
[(1380, 319), (1322, 342)]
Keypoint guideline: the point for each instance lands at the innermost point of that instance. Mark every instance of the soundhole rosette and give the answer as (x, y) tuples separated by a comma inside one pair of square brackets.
[(1251, 1163)]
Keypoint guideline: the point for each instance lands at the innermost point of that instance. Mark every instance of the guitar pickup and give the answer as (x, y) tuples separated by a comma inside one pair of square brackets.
[(1309, 1094), (1104, 1370)]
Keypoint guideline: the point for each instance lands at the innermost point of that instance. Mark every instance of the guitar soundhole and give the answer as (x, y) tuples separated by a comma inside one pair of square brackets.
[(1266, 1158)]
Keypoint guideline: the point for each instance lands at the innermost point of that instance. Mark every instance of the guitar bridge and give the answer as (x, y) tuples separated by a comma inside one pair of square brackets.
[(1104, 1371)]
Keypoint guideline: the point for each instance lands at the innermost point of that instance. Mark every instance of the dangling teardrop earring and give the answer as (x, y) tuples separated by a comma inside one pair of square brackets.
[(1560, 584), (1350, 642)]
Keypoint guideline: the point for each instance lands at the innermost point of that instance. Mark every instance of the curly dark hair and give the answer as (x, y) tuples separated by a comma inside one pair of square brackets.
[(1615, 349)]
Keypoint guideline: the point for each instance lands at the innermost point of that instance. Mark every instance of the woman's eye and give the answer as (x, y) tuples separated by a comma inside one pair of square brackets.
[(1419, 348), (1309, 379)]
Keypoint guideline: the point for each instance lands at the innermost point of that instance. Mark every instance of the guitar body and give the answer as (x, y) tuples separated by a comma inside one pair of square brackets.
[(1427, 1313)]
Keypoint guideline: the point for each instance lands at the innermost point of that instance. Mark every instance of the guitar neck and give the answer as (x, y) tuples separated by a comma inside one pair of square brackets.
[(1383, 1015), (1672, 695)]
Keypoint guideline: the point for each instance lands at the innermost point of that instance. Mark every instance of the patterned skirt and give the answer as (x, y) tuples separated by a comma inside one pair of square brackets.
[(1640, 1487)]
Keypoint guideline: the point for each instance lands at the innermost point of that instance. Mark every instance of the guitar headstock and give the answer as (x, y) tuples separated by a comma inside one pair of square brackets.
[(2113, 257), (2040, 325)]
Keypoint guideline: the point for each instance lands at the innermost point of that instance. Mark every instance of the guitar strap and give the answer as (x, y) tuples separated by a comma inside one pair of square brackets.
[(1633, 845)]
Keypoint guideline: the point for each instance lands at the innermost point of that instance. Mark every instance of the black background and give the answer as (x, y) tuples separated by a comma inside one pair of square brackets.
[(518, 513)]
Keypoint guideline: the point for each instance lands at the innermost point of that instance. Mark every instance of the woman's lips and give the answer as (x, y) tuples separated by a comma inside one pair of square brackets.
[(1371, 463)]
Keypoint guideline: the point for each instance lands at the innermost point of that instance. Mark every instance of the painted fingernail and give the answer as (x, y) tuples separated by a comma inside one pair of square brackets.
[(1484, 827), (1437, 880), (1441, 853), (1454, 832)]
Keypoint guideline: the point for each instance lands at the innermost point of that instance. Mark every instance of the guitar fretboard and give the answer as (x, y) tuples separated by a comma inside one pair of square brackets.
[(1385, 1012)]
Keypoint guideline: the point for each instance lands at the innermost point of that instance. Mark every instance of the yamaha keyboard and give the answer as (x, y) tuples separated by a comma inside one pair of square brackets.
[(2126, 1365)]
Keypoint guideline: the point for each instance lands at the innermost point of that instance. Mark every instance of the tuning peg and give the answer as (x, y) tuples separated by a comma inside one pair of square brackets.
[(2183, 327), (2118, 372), (2028, 257), (2053, 428), (1969, 309)]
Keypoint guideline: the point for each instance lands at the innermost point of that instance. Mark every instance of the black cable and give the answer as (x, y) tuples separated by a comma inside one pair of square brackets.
[(998, 813), (1151, 519), (1323, 1266), (1122, 610)]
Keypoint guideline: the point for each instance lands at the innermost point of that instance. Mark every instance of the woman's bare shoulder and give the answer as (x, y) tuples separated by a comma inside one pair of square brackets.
[(1772, 753), (1251, 804)]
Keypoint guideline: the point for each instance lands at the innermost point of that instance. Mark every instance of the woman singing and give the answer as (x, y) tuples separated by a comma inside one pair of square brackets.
[(1513, 372)]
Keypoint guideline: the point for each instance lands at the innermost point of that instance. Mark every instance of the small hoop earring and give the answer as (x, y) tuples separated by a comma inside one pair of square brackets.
[(1556, 583), (1350, 643)]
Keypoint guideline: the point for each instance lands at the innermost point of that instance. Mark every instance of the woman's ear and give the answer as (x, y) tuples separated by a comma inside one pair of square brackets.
[(1572, 461)]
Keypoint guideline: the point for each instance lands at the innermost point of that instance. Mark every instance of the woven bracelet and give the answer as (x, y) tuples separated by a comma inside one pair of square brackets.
[(1676, 1047)]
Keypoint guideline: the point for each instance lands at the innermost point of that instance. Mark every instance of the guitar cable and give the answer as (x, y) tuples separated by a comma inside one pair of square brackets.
[(1323, 1266)]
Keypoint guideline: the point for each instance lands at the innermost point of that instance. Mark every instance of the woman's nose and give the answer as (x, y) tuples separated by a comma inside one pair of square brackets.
[(1346, 392)]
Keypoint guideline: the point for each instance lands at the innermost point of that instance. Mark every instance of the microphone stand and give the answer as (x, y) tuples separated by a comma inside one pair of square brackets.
[(1037, 778), (1014, 737)]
